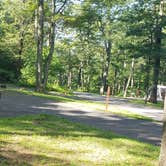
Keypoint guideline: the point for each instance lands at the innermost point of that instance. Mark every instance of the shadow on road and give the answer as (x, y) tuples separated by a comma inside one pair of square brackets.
[(15, 104)]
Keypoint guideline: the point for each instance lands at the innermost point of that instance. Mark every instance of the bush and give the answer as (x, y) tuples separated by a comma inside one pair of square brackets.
[(6, 76)]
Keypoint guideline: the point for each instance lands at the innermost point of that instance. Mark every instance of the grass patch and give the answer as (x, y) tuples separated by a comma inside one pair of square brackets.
[(47, 140), (43, 95), (128, 114), (58, 98), (125, 113), (159, 104)]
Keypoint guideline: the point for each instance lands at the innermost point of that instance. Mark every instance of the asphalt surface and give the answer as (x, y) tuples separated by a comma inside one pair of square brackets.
[(14, 104), (124, 104)]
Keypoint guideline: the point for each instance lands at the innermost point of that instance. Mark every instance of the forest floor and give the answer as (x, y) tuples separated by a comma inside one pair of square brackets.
[(16, 104)]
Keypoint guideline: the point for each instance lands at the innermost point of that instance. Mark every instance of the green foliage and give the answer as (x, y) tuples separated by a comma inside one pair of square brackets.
[(83, 30), (7, 66)]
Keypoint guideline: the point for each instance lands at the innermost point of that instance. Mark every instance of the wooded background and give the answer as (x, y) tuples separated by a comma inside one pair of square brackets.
[(85, 45)]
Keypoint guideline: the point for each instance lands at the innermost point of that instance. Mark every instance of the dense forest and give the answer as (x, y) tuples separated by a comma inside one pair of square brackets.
[(84, 45)]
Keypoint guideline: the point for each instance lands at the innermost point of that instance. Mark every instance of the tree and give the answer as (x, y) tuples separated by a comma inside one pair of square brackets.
[(147, 34), (42, 71), (40, 38)]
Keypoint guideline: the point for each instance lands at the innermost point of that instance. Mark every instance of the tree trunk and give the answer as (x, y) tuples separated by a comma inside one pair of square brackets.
[(147, 76), (119, 87), (21, 46), (153, 96), (51, 47), (80, 76), (51, 42), (69, 80), (108, 46), (147, 69), (132, 81), (88, 83), (129, 78), (162, 157), (127, 85), (114, 88), (132, 74), (40, 24), (19, 62), (69, 72), (156, 70), (102, 82)]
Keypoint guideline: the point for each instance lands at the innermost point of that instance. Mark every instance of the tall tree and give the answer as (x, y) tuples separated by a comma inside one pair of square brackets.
[(40, 37), (54, 11), (147, 36)]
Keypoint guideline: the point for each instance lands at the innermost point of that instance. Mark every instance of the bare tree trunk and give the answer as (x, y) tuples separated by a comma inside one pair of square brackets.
[(124, 82), (153, 96), (82, 78), (51, 47), (19, 62), (156, 70), (40, 24), (69, 72), (80, 75), (51, 42), (21, 46), (102, 82), (129, 78), (132, 81), (132, 73), (108, 46), (162, 157), (127, 85), (69, 80), (115, 85), (147, 69), (119, 87)]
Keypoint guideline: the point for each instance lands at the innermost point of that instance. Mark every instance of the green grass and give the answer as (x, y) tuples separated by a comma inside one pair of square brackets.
[(45, 140), (58, 98), (125, 113), (160, 104), (43, 95)]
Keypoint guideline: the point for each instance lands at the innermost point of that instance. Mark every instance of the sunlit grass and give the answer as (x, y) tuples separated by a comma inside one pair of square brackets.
[(159, 104), (125, 113), (48, 96), (49, 141)]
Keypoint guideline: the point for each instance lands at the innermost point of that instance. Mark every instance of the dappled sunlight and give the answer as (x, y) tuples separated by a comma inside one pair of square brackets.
[(47, 140)]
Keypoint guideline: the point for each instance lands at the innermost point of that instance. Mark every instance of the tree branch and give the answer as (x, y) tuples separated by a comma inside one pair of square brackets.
[(59, 10)]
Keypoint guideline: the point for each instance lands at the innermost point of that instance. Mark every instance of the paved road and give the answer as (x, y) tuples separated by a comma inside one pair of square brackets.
[(124, 104), (14, 104)]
